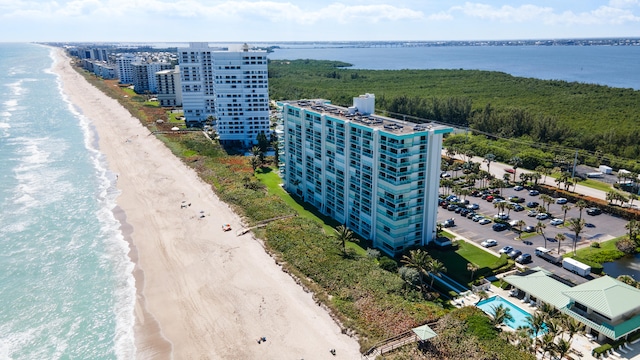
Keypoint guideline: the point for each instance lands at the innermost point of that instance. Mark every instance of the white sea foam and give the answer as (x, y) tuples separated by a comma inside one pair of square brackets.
[(117, 248)]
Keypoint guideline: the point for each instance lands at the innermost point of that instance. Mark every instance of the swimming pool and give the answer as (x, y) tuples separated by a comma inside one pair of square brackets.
[(519, 316)]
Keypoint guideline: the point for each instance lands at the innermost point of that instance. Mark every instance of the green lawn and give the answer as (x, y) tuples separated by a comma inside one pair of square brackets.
[(456, 261), (272, 181), (605, 253), (595, 184)]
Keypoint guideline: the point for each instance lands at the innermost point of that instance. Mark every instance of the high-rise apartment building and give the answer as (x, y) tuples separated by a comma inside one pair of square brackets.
[(169, 91), (230, 86), (377, 175), (124, 68), (144, 76)]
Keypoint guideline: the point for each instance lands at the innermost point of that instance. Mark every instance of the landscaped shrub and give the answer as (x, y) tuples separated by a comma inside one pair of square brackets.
[(388, 264)]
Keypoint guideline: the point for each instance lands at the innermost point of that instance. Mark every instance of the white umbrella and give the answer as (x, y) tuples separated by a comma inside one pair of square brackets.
[(175, 128)]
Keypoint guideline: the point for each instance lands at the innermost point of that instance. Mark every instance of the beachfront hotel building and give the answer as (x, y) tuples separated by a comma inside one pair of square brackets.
[(230, 86), (378, 176)]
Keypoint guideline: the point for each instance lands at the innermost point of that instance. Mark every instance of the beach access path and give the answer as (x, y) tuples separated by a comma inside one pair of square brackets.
[(202, 293)]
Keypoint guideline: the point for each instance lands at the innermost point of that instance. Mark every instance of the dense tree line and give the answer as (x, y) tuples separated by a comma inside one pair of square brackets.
[(602, 121)]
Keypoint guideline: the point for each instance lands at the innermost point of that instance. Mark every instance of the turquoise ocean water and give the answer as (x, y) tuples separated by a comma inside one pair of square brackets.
[(66, 288)]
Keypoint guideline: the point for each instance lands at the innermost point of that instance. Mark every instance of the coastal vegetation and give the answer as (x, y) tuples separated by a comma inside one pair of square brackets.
[(544, 118), (373, 297)]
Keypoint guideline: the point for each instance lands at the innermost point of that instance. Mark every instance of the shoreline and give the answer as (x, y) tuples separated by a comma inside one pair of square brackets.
[(200, 292)]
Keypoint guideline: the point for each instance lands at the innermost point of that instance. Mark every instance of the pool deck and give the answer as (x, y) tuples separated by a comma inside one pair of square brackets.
[(581, 346)]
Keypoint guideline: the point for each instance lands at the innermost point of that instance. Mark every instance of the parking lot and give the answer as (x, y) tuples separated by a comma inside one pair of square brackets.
[(600, 228)]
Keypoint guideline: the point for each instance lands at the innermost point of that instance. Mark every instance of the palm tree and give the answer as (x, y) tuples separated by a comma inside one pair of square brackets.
[(632, 197), (565, 208), (536, 176), (536, 323), (548, 346), (546, 200), (436, 268), (581, 204), (572, 326), (489, 158), (255, 162), (576, 225), (276, 155), (515, 162), (519, 226), (500, 314), (540, 226), (472, 268), (343, 234), (633, 226), (559, 238), (419, 260), (500, 206), (562, 348)]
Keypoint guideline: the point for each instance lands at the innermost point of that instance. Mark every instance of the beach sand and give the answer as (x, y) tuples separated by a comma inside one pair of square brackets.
[(201, 293)]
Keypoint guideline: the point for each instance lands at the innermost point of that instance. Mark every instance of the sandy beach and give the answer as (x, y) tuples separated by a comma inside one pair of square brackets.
[(201, 293)]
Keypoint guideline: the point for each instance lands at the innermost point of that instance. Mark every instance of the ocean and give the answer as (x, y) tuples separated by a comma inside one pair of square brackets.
[(614, 66), (66, 285)]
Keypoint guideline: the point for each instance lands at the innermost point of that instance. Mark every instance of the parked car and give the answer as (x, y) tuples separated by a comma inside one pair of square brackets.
[(499, 227), (561, 201), (594, 211), (473, 206), (477, 218), (532, 213), (506, 250), (489, 198), (516, 199), (463, 211), (501, 216), (518, 207), (542, 216), (533, 204), (556, 222), (484, 221), (523, 259), (518, 188), (445, 175), (514, 253), (471, 214), (529, 229), (534, 192), (448, 223), (452, 207), (489, 243), (510, 171), (589, 225)]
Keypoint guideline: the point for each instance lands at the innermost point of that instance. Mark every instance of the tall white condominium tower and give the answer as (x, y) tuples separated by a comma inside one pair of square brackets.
[(230, 86), (124, 69), (377, 175)]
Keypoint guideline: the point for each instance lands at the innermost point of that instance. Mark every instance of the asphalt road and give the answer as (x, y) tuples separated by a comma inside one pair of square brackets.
[(605, 227)]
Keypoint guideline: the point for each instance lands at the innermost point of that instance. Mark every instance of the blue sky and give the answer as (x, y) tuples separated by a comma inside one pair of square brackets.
[(318, 20)]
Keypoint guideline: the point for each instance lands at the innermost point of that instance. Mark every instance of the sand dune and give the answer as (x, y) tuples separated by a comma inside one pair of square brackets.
[(202, 293)]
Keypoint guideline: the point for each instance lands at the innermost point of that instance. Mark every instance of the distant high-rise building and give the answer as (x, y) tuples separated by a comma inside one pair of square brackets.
[(378, 176), (144, 76), (124, 68), (228, 86), (169, 89)]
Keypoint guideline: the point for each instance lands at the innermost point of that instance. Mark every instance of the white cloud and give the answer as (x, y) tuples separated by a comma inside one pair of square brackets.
[(267, 10), (624, 3), (506, 13), (509, 14)]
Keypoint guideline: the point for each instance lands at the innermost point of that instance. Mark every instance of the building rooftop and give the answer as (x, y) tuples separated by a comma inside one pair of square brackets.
[(607, 296), (390, 125)]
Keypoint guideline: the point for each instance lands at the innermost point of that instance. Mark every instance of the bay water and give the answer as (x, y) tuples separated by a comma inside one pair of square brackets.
[(614, 66), (66, 284)]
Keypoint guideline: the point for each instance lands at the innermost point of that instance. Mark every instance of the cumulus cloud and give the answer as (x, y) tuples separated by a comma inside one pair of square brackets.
[(618, 14), (220, 10)]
